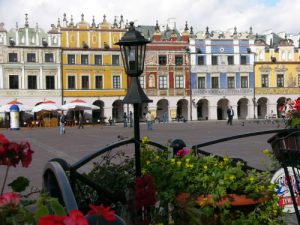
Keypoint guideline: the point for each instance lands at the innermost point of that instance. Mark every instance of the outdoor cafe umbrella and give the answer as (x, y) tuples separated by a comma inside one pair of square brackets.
[(46, 106), (79, 104), (6, 107)]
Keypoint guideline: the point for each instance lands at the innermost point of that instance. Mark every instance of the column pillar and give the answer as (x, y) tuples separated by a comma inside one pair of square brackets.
[(212, 112)]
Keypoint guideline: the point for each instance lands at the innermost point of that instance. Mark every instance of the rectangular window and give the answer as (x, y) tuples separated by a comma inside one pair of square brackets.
[(85, 82), (31, 57), (200, 60), (230, 59), (162, 60), (49, 57), (84, 59), (264, 80), (214, 60), (244, 82), (71, 82), (243, 60), (115, 60), (71, 59), (116, 82), (99, 82), (50, 84), (201, 82), (178, 60), (13, 82), (215, 82), (32, 82), (179, 82), (230, 82), (142, 81), (163, 82), (280, 80), (12, 57), (98, 59)]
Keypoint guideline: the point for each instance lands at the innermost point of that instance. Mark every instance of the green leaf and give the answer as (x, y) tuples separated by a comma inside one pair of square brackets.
[(41, 211), (57, 208), (294, 122), (19, 184)]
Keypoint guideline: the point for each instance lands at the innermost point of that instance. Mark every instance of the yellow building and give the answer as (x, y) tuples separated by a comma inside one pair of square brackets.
[(277, 73), (91, 65)]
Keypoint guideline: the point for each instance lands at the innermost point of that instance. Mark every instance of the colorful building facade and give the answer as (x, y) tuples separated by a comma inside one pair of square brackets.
[(222, 74), (277, 73), (191, 76), (30, 65), (92, 65), (166, 77)]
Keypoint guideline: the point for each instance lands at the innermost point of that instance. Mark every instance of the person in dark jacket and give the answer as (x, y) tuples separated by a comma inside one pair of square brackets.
[(230, 114)]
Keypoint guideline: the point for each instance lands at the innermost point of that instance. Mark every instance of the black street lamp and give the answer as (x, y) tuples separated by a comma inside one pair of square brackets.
[(133, 48)]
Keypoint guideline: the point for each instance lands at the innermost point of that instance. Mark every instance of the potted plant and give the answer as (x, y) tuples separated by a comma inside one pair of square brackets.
[(194, 190), (17, 208)]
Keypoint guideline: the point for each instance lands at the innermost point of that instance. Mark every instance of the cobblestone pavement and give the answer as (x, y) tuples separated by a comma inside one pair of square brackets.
[(47, 143), (76, 143)]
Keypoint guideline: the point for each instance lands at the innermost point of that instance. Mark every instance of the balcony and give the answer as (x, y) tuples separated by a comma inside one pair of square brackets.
[(223, 92), (221, 68), (276, 90)]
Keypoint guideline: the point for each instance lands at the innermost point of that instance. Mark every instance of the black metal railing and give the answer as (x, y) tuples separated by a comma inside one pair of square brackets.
[(75, 189), (64, 181), (286, 147)]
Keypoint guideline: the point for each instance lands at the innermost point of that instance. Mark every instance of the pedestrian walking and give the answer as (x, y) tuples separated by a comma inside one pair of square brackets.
[(149, 121), (230, 114), (130, 119), (125, 119), (80, 121), (62, 120), (165, 117)]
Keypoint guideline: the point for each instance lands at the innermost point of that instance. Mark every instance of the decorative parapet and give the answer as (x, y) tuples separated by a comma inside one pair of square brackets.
[(167, 92), (30, 93), (282, 91), (223, 92), (222, 69)]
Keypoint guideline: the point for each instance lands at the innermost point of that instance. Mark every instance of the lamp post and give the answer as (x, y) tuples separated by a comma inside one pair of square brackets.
[(133, 49)]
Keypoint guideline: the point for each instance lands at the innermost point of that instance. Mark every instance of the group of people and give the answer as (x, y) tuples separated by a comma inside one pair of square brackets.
[(62, 121), (128, 119)]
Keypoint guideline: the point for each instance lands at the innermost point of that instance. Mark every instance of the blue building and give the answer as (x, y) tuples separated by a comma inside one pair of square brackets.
[(222, 74)]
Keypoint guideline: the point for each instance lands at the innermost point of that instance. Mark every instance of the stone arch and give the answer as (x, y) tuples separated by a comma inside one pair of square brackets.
[(262, 107), (182, 108), (202, 109), (281, 101), (117, 110), (98, 114), (162, 106), (222, 107), (242, 108)]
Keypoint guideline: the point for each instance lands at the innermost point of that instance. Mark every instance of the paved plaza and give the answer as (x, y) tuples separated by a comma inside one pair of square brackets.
[(47, 143)]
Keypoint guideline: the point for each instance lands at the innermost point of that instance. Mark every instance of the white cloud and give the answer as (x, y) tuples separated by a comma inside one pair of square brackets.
[(279, 15)]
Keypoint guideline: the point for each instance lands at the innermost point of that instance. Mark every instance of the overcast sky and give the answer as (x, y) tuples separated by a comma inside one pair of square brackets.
[(262, 15)]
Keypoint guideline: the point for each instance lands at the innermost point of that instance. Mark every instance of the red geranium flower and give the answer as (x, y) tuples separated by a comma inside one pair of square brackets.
[(52, 220), (183, 152), (9, 198), (75, 218), (106, 212), (3, 140)]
